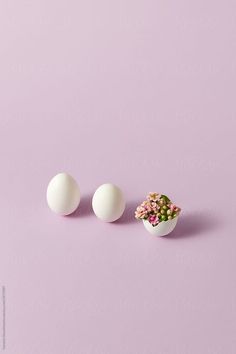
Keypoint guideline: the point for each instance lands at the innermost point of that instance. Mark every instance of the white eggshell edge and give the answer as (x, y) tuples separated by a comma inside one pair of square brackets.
[(162, 229)]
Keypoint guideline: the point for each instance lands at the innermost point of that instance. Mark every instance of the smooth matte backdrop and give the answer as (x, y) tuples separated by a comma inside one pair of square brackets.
[(140, 93)]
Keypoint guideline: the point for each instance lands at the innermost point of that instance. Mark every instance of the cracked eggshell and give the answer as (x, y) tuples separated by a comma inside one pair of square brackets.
[(162, 229)]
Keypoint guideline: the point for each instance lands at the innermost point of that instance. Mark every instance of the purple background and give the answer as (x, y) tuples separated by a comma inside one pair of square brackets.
[(140, 93)]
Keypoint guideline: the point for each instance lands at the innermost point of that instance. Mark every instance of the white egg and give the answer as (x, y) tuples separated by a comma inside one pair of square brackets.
[(108, 202), (63, 194)]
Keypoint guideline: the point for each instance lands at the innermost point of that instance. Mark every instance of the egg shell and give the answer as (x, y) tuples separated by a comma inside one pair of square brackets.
[(108, 202), (63, 194), (162, 229)]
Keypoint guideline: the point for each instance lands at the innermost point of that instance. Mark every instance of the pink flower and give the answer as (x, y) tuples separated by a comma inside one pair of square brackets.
[(172, 206), (141, 212), (153, 219), (154, 206), (154, 197)]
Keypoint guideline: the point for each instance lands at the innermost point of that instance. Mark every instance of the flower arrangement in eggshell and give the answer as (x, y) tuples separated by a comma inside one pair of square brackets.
[(159, 214), (108, 202)]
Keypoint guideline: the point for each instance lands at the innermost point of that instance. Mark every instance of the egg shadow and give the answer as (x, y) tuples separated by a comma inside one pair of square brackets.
[(194, 224), (128, 215), (85, 207)]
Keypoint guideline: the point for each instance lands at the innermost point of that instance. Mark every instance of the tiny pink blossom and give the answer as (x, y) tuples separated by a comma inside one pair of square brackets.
[(152, 196), (153, 219)]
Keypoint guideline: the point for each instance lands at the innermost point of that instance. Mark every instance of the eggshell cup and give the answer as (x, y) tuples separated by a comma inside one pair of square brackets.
[(162, 229)]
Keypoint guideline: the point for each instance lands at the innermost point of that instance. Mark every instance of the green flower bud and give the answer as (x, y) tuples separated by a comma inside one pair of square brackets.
[(163, 217)]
